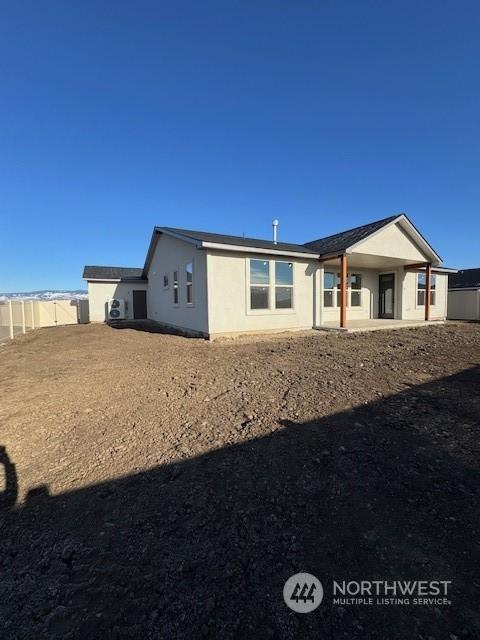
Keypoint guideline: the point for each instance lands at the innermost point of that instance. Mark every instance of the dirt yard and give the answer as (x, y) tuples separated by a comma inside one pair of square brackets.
[(164, 487)]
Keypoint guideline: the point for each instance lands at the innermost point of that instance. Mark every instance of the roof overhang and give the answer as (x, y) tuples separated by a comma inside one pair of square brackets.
[(198, 244), (116, 280), (240, 249)]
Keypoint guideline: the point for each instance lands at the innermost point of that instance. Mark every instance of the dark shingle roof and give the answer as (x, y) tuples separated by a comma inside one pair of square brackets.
[(112, 273), (204, 236), (341, 241), (465, 279)]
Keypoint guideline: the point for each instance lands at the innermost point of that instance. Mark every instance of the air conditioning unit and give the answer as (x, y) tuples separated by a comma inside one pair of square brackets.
[(116, 309)]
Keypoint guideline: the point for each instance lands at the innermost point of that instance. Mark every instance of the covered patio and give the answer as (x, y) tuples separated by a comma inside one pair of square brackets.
[(383, 275)]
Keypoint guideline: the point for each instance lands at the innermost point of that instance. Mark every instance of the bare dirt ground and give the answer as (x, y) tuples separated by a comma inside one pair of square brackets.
[(163, 487)]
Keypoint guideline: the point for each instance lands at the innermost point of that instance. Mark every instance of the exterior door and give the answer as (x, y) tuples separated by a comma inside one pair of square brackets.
[(386, 295), (139, 304)]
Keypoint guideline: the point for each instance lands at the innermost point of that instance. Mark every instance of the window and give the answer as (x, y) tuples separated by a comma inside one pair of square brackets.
[(355, 290), (331, 289), (421, 288), (259, 284), (189, 282), (328, 289), (165, 281), (283, 285), (271, 284), (433, 286), (175, 287)]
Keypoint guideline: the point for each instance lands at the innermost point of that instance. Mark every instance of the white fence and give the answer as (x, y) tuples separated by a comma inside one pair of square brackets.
[(20, 316)]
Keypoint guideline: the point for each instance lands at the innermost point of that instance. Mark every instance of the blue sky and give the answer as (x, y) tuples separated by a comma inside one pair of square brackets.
[(116, 116)]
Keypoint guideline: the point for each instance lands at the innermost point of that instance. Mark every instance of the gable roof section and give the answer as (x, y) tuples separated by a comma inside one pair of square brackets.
[(345, 241), (465, 279), (112, 273), (340, 242)]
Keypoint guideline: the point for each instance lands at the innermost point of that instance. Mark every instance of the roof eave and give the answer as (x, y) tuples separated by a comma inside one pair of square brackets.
[(244, 249)]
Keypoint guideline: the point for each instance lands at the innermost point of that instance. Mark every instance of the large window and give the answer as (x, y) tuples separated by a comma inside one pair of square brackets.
[(189, 282), (283, 285), (271, 284), (259, 284), (175, 287), (422, 286)]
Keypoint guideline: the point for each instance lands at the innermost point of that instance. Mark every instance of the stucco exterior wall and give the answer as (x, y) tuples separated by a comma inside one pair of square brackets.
[(229, 295), (172, 255), (99, 293), (393, 242), (464, 304), (410, 309)]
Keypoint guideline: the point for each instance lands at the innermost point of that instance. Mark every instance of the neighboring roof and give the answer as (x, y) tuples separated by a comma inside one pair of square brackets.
[(341, 241), (112, 273), (465, 279), (239, 241)]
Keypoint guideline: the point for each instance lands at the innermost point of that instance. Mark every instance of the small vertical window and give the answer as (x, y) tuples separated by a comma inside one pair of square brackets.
[(433, 287), (189, 282), (283, 285), (165, 281), (355, 290), (259, 284), (328, 289), (175, 287), (421, 285)]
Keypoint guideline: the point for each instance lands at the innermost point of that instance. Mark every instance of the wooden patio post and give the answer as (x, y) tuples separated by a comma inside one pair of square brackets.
[(343, 291), (428, 287)]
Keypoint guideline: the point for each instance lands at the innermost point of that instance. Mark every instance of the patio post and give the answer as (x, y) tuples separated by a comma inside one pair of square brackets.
[(343, 291), (428, 287)]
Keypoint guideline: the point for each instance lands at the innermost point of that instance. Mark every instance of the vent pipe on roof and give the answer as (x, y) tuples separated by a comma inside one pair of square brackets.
[(275, 225)]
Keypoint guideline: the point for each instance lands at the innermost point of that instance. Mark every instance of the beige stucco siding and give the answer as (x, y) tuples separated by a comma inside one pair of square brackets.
[(410, 309), (229, 295), (393, 242), (99, 293), (464, 304), (172, 255)]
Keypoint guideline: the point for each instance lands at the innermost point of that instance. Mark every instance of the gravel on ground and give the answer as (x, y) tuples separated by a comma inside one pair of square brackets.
[(157, 486)]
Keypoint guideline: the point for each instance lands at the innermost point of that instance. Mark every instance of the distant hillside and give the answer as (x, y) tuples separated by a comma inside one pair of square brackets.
[(77, 294)]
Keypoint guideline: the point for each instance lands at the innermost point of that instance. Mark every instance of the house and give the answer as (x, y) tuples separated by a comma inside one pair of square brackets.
[(210, 284), (464, 295), (105, 283)]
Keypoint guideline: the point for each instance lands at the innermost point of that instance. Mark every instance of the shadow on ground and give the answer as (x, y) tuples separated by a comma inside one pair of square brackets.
[(388, 491), (150, 326)]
